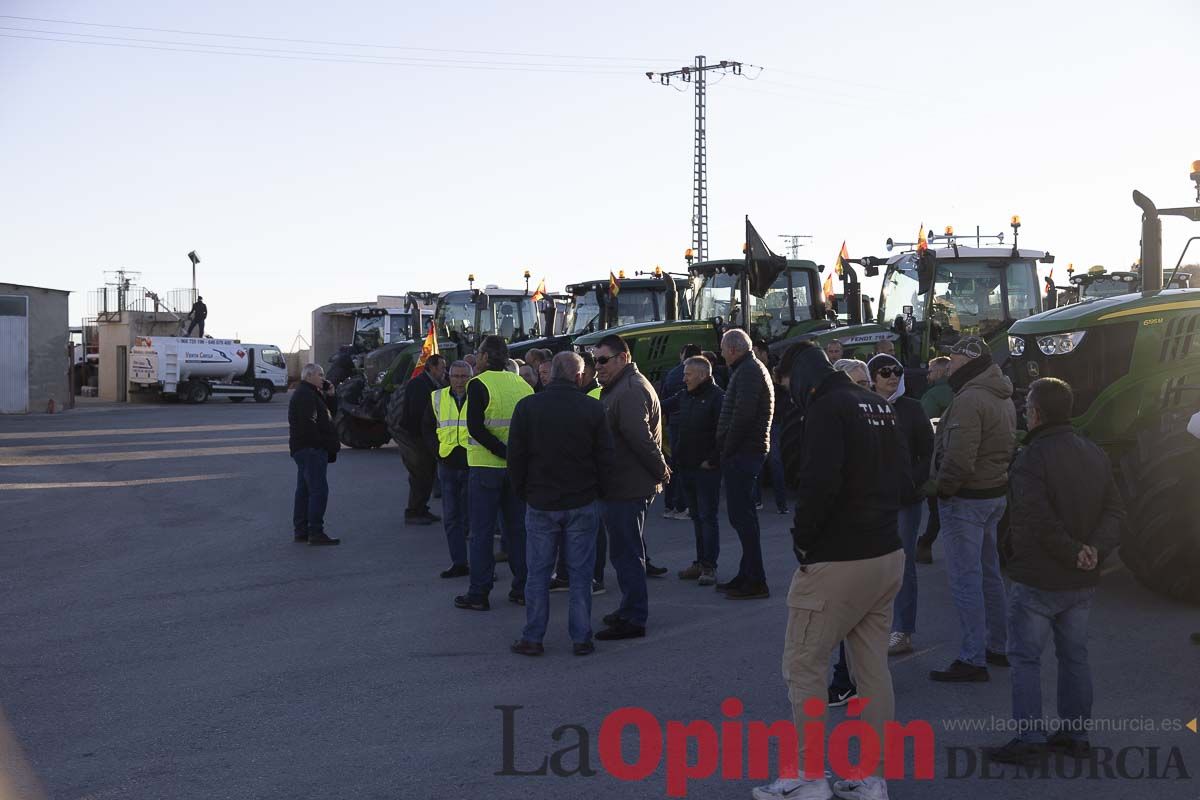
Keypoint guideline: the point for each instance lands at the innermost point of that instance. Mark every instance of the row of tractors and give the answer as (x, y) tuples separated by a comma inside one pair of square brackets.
[(1127, 353)]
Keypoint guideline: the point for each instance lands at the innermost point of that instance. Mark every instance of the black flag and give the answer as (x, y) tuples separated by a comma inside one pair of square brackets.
[(762, 265)]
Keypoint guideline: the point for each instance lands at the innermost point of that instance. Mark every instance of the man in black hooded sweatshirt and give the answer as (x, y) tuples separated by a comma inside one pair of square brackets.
[(844, 536)]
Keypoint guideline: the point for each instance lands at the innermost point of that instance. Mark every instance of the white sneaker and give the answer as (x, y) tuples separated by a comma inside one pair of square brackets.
[(794, 789), (899, 643), (870, 788)]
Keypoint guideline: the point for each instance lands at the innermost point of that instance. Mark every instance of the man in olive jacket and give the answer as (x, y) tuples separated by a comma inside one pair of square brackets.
[(632, 409), (1065, 517), (744, 438), (975, 441)]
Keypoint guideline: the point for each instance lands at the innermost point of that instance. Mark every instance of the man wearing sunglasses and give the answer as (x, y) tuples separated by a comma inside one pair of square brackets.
[(633, 413)]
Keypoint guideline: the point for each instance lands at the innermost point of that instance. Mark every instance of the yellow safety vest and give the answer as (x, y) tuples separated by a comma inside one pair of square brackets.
[(451, 421), (505, 390), (595, 392)]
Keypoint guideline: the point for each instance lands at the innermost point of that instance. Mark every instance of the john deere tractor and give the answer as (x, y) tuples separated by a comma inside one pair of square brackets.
[(1098, 282), (369, 405), (1134, 363)]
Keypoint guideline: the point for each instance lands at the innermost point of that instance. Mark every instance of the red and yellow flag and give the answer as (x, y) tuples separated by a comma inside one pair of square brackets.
[(922, 244), (540, 292), (827, 289), (842, 259), (429, 348), (614, 286)]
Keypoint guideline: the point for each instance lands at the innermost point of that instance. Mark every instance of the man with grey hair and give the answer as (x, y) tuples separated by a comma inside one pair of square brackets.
[(445, 430), (743, 439), (560, 457), (313, 444)]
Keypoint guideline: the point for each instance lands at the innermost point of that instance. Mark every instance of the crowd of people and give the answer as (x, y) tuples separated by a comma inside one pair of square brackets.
[(562, 455)]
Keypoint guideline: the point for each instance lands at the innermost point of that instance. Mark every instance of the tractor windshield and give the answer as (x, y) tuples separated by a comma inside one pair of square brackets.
[(1107, 286), (585, 315), (770, 315), (640, 304), (969, 297), (511, 316)]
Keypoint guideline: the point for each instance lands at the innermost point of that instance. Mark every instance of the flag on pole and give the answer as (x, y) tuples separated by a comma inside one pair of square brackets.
[(922, 245), (762, 265), (843, 258), (429, 348), (540, 292), (614, 286), (827, 289)]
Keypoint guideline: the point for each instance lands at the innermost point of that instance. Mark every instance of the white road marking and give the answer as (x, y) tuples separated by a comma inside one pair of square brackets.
[(138, 455), (110, 484), (120, 431), (22, 449)]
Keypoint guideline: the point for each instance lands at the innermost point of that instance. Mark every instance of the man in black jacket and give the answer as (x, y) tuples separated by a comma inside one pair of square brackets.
[(560, 455), (694, 414), (419, 460), (1065, 517), (845, 539), (314, 444), (744, 437), (199, 314)]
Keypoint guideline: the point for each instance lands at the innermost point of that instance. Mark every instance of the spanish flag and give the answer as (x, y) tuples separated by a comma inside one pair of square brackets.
[(429, 348), (827, 289), (842, 259), (922, 244), (540, 292), (614, 286)]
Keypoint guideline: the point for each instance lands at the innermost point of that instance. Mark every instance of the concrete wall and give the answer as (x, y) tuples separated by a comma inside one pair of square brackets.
[(49, 363), (120, 330), (332, 328)]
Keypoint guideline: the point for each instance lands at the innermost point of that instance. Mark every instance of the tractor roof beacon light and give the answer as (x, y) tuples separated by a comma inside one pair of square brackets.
[(621, 275), (1196, 178), (1015, 222), (658, 270), (526, 281), (689, 255), (471, 281)]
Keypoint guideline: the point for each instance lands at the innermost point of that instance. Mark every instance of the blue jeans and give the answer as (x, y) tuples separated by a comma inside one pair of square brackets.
[(490, 495), (973, 567), (562, 571), (1033, 615), (454, 511), (312, 490), (625, 520), (904, 610), (774, 467), (543, 530), (702, 490), (741, 476)]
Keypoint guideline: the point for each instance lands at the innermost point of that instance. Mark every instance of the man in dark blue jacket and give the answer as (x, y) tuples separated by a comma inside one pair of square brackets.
[(1065, 517), (674, 500), (313, 443), (695, 413)]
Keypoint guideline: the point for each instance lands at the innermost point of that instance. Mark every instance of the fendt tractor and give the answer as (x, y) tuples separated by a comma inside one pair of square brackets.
[(369, 408), (1134, 363)]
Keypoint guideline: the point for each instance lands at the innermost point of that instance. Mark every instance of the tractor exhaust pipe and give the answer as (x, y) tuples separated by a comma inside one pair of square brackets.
[(1152, 271)]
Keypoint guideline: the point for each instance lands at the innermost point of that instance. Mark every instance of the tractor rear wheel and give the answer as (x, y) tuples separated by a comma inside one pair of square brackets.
[(360, 434), (395, 412), (1161, 543)]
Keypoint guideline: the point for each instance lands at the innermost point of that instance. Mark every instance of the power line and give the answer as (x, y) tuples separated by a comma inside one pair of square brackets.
[(333, 43)]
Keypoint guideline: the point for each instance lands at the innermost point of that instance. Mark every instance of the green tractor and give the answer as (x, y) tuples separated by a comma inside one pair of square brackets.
[(370, 408), (1099, 283), (1136, 377)]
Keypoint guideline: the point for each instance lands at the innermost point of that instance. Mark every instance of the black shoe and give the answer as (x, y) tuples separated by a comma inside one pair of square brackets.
[(456, 571), (469, 603), (1196, 638), (1061, 742), (500, 557), (517, 597), (417, 518), (432, 517), (525, 648), (300, 536), (622, 630), (584, 648), (653, 571), (960, 672), (924, 552), (839, 696), (613, 619), (559, 585), (748, 591), (728, 586), (319, 539), (598, 587), (997, 659), (1015, 752)]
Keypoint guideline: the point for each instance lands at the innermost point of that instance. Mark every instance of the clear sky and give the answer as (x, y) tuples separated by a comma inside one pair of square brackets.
[(303, 181)]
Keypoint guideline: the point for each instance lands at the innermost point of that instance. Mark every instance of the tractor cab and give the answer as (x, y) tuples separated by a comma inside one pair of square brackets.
[(658, 298), (465, 316), (792, 303)]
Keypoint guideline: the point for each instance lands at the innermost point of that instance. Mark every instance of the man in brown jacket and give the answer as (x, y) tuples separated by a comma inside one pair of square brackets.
[(631, 407), (975, 441)]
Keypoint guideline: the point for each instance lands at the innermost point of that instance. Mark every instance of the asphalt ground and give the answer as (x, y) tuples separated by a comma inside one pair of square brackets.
[(162, 637)]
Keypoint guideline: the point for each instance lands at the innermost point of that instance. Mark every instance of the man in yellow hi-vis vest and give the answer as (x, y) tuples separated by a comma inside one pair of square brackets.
[(445, 428), (492, 396)]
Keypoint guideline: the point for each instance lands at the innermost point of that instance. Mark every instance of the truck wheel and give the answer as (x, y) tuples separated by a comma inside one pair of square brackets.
[(263, 392), (194, 391), (1161, 542), (395, 412), (360, 434), (236, 399)]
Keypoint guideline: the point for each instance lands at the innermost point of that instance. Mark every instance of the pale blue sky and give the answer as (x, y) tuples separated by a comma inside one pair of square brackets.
[(303, 182)]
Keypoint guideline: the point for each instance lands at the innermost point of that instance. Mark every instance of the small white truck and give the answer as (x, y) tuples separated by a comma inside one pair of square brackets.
[(196, 369)]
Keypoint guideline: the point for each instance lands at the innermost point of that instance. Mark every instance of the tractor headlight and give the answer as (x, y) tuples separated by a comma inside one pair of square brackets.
[(1060, 343), (1016, 345)]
